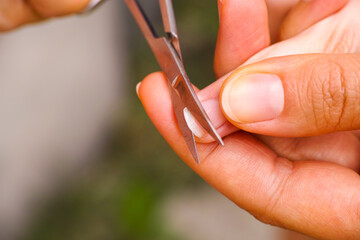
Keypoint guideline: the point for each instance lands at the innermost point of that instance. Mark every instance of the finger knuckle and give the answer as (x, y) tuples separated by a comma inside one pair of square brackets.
[(327, 94)]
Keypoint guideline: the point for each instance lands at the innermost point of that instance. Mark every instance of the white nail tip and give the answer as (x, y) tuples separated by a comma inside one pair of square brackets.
[(193, 124), (137, 88)]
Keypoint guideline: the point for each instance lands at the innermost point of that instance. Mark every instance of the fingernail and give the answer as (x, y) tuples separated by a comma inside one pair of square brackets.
[(194, 126), (137, 88), (253, 98), (213, 110)]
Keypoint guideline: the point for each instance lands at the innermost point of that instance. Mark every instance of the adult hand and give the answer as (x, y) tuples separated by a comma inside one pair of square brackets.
[(296, 183), (16, 13)]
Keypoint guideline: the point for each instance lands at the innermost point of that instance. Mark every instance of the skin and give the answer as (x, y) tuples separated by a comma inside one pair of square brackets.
[(306, 179), (15, 13), (295, 183)]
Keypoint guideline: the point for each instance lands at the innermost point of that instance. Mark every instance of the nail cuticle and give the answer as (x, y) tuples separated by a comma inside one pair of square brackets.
[(225, 106)]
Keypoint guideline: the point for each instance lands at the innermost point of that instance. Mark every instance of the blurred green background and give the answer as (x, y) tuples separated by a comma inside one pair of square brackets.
[(120, 195)]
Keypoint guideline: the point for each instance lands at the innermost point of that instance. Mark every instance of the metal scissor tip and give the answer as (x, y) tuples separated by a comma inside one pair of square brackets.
[(93, 4), (168, 54)]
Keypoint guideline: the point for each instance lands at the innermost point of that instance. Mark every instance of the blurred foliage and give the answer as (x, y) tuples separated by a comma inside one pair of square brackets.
[(120, 197)]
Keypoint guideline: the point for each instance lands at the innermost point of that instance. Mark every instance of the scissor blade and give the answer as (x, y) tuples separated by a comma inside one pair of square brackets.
[(164, 51), (169, 21), (93, 4), (192, 102), (179, 109), (142, 21)]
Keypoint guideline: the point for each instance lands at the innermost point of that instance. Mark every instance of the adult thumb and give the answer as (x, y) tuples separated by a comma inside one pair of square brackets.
[(295, 96)]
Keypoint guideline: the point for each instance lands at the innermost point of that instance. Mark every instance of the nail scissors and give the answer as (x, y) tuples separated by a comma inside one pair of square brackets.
[(93, 4), (168, 54)]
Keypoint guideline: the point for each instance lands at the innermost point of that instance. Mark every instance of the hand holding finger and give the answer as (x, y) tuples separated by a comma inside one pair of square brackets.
[(316, 198), (295, 96)]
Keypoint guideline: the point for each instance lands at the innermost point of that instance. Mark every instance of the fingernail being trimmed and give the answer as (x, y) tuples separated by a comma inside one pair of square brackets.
[(137, 88)]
